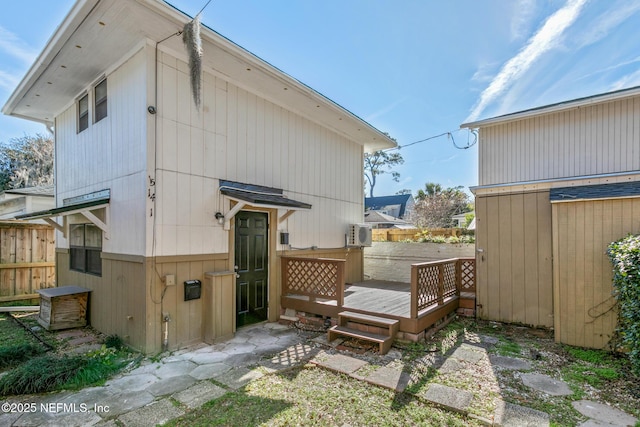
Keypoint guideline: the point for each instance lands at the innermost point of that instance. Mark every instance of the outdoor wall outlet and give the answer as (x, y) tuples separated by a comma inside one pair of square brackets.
[(170, 280)]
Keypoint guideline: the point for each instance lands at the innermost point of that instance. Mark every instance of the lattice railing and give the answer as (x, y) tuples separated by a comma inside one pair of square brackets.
[(433, 282), (314, 277), (467, 274)]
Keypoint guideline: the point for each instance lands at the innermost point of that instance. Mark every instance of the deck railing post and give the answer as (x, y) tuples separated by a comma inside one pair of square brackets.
[(284, 267), (340, 280), (458, 276), (414, 292), (441, 283)]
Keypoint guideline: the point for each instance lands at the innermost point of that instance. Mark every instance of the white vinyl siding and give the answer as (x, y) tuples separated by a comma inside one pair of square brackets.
[(110, 154), (591, 140), (240, 136)]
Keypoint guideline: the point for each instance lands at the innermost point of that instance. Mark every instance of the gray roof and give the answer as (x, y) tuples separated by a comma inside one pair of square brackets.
[(42, 190), (599, 191)]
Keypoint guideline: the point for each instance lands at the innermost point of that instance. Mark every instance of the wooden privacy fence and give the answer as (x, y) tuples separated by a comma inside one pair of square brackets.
[(399, 235), (315, 278), (434, 282), (27, 258)]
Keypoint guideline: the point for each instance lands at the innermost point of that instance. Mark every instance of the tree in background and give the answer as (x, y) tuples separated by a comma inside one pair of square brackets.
[(379, 163), (435, 206), (26, 162)]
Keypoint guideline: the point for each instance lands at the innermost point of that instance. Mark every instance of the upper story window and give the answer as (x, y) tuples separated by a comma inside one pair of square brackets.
[(83, 113), (100, 104)]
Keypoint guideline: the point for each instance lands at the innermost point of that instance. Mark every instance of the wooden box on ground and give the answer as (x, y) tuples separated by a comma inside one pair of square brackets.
[(64, 307)]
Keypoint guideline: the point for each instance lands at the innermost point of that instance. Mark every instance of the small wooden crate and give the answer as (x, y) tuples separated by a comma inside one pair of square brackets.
[(63, 308)]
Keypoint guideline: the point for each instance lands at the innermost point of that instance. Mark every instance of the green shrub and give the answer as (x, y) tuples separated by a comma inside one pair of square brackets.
[(625, 257), (114, 341), (40, 374), (16, 354)]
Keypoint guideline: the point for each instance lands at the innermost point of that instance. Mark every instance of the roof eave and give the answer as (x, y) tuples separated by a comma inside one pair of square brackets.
[(63, 32), (552, 108)]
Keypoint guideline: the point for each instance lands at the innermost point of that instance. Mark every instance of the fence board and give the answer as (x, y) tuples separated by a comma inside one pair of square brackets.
[(27, 258)]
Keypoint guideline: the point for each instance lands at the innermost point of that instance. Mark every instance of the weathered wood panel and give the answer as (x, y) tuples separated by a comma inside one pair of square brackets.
[(27, 260), (584, 314), (591, 140), (514, 263)]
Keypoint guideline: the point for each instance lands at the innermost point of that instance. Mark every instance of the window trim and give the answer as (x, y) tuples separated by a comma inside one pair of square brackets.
[(98, 102), (80, 116)]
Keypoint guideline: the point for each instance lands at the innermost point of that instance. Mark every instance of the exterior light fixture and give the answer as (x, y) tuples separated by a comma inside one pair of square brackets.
[(220, 218)]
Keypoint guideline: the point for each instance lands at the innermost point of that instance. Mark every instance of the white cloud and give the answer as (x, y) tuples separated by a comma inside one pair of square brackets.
[(8, 81), (545, 39), (14, 46), (630, 80), (521, 21), (615, 15)]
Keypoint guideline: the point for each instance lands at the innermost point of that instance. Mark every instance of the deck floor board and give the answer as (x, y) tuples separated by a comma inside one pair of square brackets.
[(383, 297)]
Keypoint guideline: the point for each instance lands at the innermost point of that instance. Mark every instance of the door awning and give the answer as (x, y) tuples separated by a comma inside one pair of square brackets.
[(83, 205), (257, 196)]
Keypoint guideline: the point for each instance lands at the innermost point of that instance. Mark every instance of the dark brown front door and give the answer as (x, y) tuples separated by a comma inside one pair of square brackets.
[(252, 261)]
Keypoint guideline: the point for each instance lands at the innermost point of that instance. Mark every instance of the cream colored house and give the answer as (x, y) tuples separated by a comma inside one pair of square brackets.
[(557, 184), (154, 195)]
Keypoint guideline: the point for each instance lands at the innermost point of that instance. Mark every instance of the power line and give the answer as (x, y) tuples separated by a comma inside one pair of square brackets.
[(449, 135)]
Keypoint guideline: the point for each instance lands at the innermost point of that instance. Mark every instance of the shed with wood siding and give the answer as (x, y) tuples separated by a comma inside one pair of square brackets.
[(557, 184)]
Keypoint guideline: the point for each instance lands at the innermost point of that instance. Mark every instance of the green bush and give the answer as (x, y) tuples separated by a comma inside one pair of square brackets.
[(16, 354), (625, 257), (41, 374)]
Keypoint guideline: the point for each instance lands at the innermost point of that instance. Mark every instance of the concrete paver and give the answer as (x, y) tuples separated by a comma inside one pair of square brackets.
[(339, 363), (174, 369), (604, 413), (510, 415), (448, 397), (394, 379), (546, 384), (198, 394), (238, 377), (212, 370), (132, 382), (158, 412), (171, 385), (122, 403), (512, 363), (469, 353)]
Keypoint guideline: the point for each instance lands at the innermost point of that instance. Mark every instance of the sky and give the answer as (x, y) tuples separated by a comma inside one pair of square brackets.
[(412, 68)]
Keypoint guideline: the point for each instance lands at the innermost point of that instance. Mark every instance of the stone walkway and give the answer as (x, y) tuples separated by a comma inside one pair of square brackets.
[(147, 395), (144, 396)]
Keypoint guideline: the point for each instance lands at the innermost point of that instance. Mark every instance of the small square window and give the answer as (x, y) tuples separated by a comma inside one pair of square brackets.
[(83, 113), (101, 100)]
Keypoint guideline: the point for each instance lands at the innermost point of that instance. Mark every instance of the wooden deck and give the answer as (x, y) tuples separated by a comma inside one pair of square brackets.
[(434, 293)]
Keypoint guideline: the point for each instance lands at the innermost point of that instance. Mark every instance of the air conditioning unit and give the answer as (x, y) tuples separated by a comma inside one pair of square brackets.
[(359, 235)]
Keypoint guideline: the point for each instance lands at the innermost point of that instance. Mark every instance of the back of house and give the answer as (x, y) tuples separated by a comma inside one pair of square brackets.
[(163, 206)]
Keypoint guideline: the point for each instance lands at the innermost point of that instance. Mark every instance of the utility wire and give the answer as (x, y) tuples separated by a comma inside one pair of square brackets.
[(203, 8), (449, 136)]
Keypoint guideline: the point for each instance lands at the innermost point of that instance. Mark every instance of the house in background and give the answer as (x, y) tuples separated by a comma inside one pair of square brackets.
[(399, 206), (176, 217), (19, 201), (557, 184), (460, 220), (379, 220)]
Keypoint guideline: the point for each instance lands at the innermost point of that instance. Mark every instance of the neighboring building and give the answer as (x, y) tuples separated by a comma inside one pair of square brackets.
[(557, 184), (379, 220), (153, 193), (460, 220), (20, 201), (399, 206)]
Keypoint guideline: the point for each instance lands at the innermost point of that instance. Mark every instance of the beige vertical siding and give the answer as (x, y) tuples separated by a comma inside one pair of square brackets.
[(585, 141), (117, 299), (582, 272), (513, 240)]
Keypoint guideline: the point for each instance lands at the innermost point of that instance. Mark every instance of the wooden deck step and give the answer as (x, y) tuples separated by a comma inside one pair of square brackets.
[(357, 325)]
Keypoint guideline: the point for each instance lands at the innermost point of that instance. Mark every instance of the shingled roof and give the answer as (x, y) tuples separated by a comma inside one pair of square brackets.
[(599, 191)]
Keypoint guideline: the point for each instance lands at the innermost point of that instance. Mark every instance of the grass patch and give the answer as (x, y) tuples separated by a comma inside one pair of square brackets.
[(308, 396), (506, 347)]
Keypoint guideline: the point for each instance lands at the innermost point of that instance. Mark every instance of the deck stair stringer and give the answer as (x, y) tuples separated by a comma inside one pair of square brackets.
[(379, 330)]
